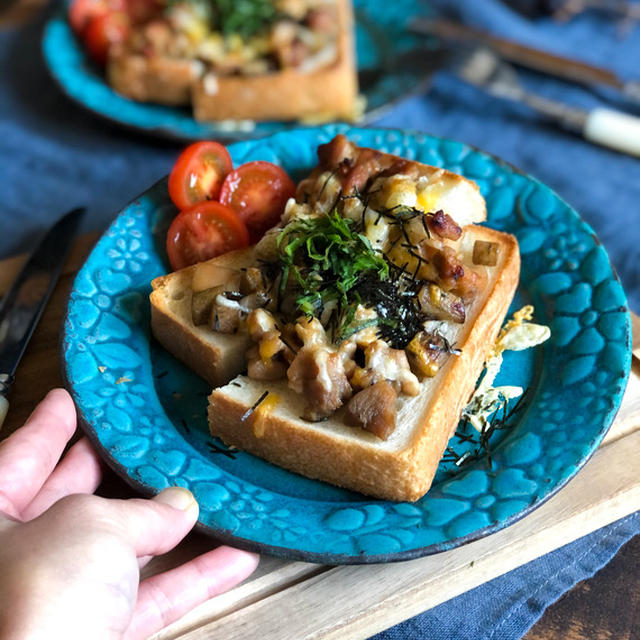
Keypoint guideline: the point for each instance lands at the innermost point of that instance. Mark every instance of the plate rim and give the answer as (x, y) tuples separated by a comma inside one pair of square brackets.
[(224, 536), (172, 134)]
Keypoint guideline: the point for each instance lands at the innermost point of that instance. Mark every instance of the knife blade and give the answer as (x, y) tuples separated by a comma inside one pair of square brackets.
[(528, 57), (23, 304)]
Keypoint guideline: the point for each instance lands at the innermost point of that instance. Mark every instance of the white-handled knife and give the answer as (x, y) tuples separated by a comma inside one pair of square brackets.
[(483, 68)]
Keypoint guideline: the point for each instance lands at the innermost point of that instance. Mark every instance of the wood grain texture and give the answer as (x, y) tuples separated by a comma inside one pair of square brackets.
[(20, 11), (583, 612), (635, 329), (356, 601), (627, 419)]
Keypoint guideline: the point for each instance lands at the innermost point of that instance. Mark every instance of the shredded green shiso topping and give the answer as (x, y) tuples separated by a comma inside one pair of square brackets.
[(333, 268), (243, 17), (328, 260)]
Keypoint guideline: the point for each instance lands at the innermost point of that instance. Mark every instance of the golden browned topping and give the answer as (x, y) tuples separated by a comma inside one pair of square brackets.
[(373, 409), (269, 357), (364, 281), (241, 38), (441, 305), (485, 253), (319, 375)]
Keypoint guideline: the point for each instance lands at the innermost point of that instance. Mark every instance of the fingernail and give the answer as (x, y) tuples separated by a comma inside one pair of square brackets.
[(177, 497)]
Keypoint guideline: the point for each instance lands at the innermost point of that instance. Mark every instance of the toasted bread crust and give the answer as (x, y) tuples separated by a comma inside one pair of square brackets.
[(286, 95), (289, 94), (401, 468), (152, 79), (215, 357), (361, 464)]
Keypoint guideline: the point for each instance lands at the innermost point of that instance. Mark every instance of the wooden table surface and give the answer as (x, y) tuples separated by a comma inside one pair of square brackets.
[(605, 607)]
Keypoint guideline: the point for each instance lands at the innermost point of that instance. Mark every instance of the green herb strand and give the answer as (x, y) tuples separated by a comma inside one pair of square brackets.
[(327, 258), (243, 17)]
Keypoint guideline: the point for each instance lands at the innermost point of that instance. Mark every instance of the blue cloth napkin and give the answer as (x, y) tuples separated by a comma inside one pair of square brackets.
[(54, 155), (507, 607)]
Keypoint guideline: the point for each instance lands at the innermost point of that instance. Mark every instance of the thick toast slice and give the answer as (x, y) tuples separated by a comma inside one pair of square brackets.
[(330, 90), (153, 79), (402, 467), (326, 88), (216, 357)]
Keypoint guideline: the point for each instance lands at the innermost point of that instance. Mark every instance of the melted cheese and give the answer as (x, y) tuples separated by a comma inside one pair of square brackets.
[(264, 409), (386, 365), (377, 230)]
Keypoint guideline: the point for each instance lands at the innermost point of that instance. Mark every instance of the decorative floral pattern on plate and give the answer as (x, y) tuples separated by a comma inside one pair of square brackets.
[(146, 412)]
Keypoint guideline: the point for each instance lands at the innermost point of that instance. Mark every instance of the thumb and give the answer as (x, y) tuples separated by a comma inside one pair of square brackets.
[(155, 526)]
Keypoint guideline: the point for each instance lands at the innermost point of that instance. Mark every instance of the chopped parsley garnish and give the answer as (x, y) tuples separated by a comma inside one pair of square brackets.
[(245, 18)]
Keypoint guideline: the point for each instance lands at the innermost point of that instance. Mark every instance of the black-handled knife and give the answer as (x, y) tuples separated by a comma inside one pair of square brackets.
[(23, 304)]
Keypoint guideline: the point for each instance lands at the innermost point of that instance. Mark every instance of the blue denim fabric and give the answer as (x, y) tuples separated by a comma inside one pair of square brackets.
[(505, 608), (54, 155)]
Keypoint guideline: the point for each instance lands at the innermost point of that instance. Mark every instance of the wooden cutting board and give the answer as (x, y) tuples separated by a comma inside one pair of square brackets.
[(354, 602)]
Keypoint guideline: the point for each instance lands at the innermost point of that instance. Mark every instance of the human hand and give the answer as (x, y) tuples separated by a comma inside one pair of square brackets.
[(70, 561)]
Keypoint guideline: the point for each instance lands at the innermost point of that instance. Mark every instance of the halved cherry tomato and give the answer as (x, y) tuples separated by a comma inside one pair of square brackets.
[(103, 32), (257, 192), (82, 12), (206, 230), (198, 173)]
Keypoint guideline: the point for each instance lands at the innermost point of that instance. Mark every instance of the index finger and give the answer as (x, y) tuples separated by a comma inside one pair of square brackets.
[(29, 455), (165, 597)]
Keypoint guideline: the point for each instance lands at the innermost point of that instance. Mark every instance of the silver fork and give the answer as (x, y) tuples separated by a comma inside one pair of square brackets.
[(484, 69)]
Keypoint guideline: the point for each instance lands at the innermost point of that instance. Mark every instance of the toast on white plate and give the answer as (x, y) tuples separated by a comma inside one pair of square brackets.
[(357, 328), (292, 59)]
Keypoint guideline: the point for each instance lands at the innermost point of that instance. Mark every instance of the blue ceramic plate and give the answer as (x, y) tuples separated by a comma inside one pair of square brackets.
[(146, 412), (383, 53)]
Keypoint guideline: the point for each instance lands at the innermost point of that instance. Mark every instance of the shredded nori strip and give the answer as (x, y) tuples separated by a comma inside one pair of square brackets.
[(287, 344), (249, 411), (501, 420), (327, 260), (395, 302), (229, 453)]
